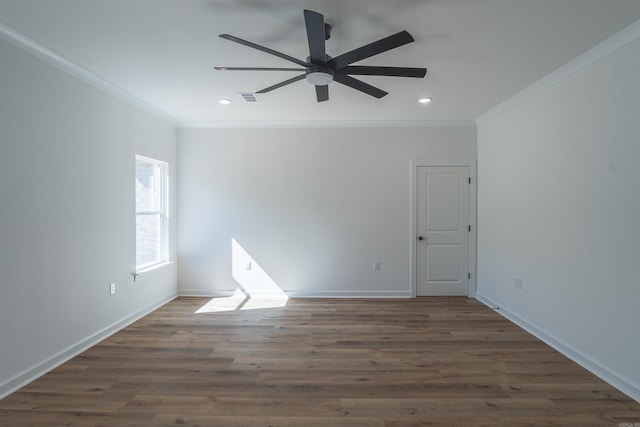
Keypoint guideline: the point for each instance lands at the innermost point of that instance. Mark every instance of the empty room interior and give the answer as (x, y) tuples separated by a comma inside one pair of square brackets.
[(281, 213)]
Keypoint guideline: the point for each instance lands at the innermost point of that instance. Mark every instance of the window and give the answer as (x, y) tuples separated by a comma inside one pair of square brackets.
[(152, 225)]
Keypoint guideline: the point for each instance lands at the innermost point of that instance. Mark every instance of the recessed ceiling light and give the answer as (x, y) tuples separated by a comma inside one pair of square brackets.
[(224, 101), (424, 100)]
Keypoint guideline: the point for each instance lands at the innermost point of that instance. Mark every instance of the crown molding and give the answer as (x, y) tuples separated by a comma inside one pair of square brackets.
[(16, 38), (329, 124), (600, 51)]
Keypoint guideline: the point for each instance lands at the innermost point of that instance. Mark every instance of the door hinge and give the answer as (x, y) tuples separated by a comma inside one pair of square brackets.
[(469, 275), (469, 228), (469, 180)]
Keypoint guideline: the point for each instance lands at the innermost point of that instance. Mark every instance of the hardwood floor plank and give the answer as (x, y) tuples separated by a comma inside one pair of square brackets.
[(233, 406), (439, 408), (489, 421), (50, 401), (320, 364), (73, 418), (261, 421)]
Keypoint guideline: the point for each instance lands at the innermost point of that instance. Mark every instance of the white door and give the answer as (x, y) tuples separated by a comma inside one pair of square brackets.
[(443, 228)]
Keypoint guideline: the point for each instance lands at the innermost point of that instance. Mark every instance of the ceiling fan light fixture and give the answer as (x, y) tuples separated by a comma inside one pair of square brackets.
[(319, 77)]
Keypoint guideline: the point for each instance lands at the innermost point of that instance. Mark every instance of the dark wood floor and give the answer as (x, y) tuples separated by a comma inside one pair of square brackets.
[(442, 361)]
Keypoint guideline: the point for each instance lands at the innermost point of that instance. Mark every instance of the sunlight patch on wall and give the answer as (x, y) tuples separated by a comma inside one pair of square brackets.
[(251, 277)]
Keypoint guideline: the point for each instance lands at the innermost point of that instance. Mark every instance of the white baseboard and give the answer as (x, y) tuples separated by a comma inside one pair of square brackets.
[(348, 294), (28, 375), (590, 365), (205, 293), (300, 294)]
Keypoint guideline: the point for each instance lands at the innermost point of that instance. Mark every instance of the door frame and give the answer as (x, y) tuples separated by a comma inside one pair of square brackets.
[(473, 200)]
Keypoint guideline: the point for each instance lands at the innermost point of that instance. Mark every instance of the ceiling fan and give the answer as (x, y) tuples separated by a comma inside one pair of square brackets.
[(320, 69)]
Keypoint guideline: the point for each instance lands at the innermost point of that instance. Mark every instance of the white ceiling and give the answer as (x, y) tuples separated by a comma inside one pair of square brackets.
[(478, 52)]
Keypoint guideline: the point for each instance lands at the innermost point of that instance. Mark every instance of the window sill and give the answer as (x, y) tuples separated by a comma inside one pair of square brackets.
[(139, 273)]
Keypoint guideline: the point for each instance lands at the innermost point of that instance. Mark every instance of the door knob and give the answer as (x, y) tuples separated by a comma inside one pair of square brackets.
[(421, 238)]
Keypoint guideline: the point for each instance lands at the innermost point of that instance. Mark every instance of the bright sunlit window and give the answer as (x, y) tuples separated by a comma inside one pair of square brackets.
[(152, 225)]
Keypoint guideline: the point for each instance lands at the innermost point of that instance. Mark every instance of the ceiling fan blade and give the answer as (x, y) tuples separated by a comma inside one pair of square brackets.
[(284, 83), (315, 35), (264, 49), (359, 85), (383, 71), (371, 49), (256, 69), (322, 93)]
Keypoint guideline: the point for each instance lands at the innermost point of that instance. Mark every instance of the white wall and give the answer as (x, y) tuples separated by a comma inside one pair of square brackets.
[(313, 207), (67, 226), (559, 208)]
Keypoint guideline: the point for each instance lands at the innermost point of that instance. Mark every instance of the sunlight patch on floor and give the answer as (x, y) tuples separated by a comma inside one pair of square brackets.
[(256, 289), (223, 303), (240, 301)]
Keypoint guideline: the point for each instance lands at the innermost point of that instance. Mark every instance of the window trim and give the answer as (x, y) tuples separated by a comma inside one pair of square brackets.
[(162, 212)]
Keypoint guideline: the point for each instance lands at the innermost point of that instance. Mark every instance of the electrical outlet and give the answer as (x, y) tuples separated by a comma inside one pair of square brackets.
[(112, 289), (517, 283), (376, 266)]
